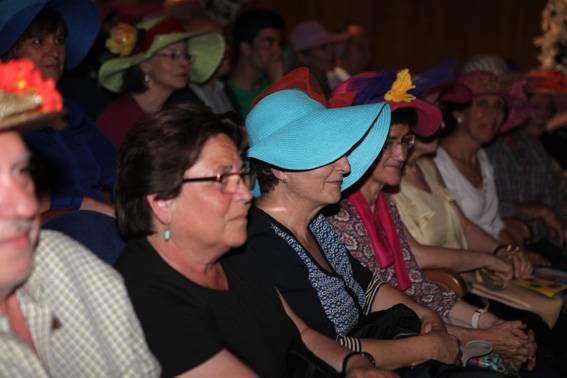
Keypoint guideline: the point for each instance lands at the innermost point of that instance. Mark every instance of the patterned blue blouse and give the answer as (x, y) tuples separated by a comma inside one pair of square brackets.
[(330, 302)]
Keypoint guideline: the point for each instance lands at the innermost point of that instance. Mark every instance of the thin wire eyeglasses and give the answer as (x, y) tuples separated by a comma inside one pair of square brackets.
[(229, 182), (407, 142), (175, 55)]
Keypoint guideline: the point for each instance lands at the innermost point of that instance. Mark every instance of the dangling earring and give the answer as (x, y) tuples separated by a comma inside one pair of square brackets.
[(167, 233), (146, 78), (459, 119)]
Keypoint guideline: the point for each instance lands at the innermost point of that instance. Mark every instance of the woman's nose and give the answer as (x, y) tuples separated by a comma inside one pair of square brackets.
[(343, 164)]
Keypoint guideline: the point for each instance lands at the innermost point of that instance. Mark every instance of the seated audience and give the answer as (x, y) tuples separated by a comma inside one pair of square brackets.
[(353, 55), (314, 47), (257, 38), (370, 227), (63, 312), (150, 66), (291, 244), (201, 313), (78, 161)]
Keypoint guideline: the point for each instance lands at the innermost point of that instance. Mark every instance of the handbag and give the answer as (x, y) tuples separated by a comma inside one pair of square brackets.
[(400, 321)]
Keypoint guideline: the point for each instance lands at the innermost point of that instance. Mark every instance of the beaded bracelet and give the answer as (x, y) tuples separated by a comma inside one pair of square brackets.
[(367, 355)]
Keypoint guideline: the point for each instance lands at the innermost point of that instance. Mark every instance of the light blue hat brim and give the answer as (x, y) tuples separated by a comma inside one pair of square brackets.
[(291, 131), (80, 17)]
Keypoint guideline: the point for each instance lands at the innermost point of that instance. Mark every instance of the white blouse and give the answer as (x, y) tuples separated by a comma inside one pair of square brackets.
[(480, 205)]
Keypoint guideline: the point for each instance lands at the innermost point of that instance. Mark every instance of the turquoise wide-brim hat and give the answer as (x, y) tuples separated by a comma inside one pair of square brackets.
[(290, 130), (206, 48), (80, 18)]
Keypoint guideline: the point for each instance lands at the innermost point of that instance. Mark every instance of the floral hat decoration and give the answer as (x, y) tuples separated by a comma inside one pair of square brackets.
[(396, 88), (26, 99), (134, 45)]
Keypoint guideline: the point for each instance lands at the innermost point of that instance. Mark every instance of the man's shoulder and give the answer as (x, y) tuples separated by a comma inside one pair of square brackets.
[(56, 253)]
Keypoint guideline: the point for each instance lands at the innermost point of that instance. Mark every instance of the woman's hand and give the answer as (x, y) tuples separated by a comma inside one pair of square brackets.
[(443, 347), (511, 341), (359, 366), (94, 205), (502, 267), (522, 267), (367, 372)]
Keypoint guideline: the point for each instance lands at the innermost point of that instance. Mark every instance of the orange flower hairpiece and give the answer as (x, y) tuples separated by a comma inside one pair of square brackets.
[(400, 87), (122, 40), (20, 78)]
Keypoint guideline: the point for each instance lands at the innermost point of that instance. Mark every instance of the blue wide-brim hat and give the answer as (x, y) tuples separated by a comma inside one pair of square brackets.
[(292, 131), (80, 18)]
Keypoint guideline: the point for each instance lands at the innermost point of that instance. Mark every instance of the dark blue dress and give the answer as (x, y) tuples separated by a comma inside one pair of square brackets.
[(80, 160)]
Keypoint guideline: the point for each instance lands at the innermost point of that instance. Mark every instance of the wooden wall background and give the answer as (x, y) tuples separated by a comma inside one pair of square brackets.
[(421, 33)]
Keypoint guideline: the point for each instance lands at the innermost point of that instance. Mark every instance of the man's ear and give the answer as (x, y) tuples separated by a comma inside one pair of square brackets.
[(161, 208)]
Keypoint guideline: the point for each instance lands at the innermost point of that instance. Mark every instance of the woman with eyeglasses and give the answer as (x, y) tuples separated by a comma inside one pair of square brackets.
[(370, 227), (305, 155), (153, 60), (183, 195)]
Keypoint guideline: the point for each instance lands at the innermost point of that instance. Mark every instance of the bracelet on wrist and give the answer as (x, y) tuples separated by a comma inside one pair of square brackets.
[(505, 247), (475, 320), (347, 358)]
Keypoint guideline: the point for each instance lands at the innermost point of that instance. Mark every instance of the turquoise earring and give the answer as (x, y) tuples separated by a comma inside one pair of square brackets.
[(167, 234)]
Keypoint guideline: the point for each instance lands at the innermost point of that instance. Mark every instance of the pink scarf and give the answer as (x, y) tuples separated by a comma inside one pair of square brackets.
[(383, 236)]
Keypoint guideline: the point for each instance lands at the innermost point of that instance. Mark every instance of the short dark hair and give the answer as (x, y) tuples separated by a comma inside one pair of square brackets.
[(249, 23), (47, 21), (154, 157), (404, 116), (134, 80), (263, 172)]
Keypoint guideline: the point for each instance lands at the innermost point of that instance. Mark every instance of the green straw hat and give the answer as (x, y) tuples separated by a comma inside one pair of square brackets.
[(206, 48)]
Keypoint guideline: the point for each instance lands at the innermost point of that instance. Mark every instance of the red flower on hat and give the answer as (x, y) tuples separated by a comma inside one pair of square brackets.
[(21, 77)]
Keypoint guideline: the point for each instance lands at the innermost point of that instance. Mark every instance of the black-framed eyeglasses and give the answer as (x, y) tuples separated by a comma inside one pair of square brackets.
[(407, 142), (175, 55), (229, 182)]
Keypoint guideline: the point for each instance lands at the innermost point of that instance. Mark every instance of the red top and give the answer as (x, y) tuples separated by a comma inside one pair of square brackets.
[(118, 118)]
